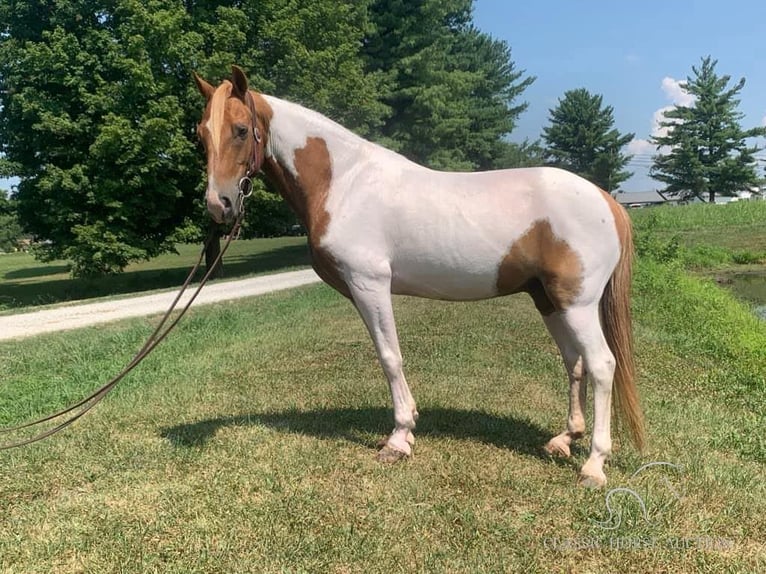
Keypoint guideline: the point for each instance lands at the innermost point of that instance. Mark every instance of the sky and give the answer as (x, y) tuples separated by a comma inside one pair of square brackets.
[(633, 53)]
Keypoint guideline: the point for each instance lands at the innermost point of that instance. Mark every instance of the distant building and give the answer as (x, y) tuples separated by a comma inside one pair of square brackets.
[(643, 199), (752, 194)]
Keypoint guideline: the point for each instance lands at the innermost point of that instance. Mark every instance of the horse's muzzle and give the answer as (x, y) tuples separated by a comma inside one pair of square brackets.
[(220, 207)]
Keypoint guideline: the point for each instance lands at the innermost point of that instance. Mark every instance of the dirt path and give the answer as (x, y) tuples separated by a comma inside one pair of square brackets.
[(86, 314)]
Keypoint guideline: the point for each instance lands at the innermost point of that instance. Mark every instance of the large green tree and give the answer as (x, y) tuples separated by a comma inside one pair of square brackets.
[(704, 150), (98, 108), (582, 138), (92, 124), (452, 90)]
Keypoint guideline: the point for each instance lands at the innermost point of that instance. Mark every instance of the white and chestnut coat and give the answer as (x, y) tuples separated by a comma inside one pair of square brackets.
[(380, 224)]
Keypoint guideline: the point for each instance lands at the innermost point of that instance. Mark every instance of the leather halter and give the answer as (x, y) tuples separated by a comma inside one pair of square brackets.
[(256, 161)]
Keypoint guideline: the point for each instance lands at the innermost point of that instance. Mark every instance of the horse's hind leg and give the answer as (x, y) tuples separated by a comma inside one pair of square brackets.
[(585, 328), (372, 297), (559, 445)]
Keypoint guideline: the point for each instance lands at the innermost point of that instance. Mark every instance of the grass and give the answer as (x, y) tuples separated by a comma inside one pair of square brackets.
[(245, 444), (738, 225), (723, 242), (25, 282)]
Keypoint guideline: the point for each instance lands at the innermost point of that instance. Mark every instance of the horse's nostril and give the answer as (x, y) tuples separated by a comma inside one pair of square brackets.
[(226, 203)]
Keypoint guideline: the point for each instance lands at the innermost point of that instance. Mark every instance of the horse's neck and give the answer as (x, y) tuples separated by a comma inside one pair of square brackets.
[(305, 152), (292, 127)]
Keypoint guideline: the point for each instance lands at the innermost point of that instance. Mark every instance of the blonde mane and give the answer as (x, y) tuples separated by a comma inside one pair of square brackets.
[(217, 111)]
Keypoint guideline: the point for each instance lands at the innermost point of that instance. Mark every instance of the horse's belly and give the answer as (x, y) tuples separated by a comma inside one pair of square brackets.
[(441, 280)]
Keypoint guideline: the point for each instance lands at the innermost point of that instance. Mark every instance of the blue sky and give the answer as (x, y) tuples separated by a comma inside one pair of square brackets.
[(633, 54)]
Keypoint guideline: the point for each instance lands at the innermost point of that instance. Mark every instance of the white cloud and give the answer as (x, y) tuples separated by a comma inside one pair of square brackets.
[(643, 149), (678, 97), (639, 147), (675, 92), (763, 121)]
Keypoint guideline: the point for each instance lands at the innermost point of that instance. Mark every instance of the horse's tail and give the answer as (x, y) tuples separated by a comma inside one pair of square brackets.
[(617, 325)]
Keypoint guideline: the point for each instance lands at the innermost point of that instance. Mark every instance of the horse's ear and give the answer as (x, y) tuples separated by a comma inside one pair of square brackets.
[(204, 88), (239, 82)]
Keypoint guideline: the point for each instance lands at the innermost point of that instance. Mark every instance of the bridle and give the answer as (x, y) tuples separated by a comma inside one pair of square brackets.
[(73, 412), (255, 162)]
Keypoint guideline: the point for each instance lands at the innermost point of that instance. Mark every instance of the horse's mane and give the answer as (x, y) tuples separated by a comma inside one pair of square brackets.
[(217, 110)]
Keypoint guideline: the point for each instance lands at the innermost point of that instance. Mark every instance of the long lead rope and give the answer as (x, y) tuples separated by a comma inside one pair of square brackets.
[(157, 336)]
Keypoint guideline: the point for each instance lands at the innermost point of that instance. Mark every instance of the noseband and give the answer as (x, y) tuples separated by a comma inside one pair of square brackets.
[(255, 162)]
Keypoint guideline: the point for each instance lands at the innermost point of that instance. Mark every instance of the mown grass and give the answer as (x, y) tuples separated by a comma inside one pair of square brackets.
[(25, 282), (245, 444)]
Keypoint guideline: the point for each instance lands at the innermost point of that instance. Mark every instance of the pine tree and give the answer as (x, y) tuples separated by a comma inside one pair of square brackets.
[(707, 150), (451, 89), (581, 138)]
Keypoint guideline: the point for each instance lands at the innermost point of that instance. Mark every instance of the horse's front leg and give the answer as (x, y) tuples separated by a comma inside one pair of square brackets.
[(372, 296)]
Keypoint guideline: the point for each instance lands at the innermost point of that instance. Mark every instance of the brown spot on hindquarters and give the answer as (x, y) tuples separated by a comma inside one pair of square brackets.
[(307, 195), (543, 265)]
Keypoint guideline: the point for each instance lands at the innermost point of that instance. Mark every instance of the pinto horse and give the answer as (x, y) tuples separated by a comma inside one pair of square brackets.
[(379, 224)]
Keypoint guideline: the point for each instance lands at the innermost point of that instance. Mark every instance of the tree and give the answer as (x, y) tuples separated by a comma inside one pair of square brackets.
[(451, 89), (524, 154), (581, 138), (93, 126), (10, 230), (707, 150), (98, 110)]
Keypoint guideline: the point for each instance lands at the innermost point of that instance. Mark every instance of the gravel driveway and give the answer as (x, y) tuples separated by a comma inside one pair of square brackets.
[(85, 314)]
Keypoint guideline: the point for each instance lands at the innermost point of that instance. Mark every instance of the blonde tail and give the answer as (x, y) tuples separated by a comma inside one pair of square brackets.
[(617, 325)]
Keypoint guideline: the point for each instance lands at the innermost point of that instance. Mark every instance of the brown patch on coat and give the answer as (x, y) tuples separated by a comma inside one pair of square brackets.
[(544, 266), (307, 195)]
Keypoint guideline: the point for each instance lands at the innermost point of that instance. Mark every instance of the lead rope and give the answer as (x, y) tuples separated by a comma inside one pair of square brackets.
[(154, 339)]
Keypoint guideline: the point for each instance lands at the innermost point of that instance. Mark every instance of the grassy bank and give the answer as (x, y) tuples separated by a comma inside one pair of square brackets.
[(726, 243), (245, 444), (735, 226), (25, 282)]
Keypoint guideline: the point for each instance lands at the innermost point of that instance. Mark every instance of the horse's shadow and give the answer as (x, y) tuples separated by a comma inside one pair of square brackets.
[(357, 425)]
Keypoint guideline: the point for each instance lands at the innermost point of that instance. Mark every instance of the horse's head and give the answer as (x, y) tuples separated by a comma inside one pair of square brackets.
[(233, 133)]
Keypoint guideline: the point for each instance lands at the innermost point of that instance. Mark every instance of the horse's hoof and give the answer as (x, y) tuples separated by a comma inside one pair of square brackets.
[(591, 481), (390, 455), (558, 447)]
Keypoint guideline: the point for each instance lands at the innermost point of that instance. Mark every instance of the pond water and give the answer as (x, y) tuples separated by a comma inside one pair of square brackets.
[(750, 286)]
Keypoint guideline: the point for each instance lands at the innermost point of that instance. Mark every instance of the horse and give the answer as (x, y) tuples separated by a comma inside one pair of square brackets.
[(379, 224)]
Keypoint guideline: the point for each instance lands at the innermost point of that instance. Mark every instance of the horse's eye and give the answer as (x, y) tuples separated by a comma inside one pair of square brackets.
[(240, 131)]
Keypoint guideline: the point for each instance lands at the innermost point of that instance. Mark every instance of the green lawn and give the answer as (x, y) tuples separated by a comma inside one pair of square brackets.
[(245, 444), (25, 282)]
